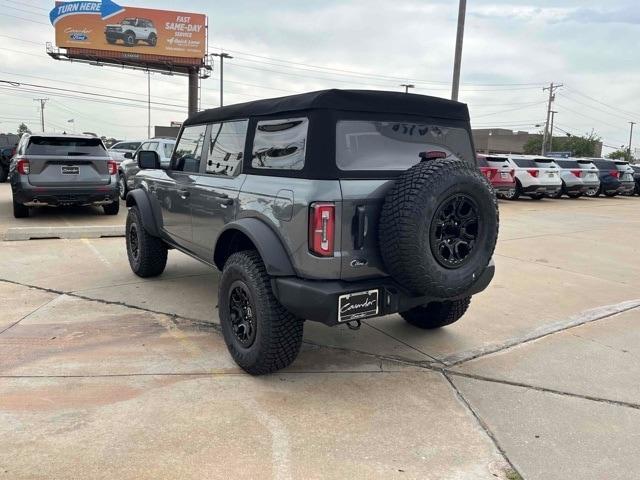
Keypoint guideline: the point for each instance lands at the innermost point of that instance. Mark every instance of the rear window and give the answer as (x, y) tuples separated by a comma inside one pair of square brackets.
[(568, 163), (374, 145), (280, 144), (65, 146), (604, 164), (525, 162)]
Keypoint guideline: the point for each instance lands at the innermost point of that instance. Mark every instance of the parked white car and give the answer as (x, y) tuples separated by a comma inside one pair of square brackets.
[(536, 177), (118, 151), (129, 167)]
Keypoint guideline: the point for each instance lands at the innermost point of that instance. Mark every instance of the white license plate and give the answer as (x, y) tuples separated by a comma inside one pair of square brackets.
[(551, 175), (504, 175), (355, 306), (70, 169)]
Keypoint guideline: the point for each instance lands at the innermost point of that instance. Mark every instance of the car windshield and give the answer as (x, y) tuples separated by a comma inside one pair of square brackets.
[(129, 21), (386, 145), (65, 146)]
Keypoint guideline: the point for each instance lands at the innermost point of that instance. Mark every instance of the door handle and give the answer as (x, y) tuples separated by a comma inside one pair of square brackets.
[(184, 194), (225, 201)]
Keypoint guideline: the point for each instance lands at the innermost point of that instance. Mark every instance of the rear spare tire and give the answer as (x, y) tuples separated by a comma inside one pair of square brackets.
[(438, 228)]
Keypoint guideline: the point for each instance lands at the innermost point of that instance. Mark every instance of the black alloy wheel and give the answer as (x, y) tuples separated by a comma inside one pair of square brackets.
[(242, 314), (454, 231)]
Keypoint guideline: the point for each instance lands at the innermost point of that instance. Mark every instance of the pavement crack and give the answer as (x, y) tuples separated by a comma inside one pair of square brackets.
[(404, 343), (574, 321), (617, 403), (28, 315), (481, 422)]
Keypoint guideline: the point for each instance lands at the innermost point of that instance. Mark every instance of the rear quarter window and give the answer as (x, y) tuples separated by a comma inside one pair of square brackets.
[(379, 145), (64, 146), (280, 144)]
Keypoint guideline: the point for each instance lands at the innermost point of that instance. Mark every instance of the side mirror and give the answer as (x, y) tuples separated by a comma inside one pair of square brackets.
[(148, 159), (128, 155)]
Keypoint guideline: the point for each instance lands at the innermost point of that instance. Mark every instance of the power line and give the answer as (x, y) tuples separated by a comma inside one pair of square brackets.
[(592, 107), (602, 103)]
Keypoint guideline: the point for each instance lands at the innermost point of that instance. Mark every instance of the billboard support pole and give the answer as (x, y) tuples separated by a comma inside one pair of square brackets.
[(148, 103), (193, 91)]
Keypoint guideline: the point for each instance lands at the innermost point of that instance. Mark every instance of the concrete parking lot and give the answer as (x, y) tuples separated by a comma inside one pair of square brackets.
[(106, 375)]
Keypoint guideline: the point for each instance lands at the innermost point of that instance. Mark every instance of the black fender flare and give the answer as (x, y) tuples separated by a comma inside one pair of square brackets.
[(140, 199), (269, 246)]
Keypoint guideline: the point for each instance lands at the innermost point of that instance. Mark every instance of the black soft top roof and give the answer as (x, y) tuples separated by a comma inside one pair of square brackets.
[(345, 100)]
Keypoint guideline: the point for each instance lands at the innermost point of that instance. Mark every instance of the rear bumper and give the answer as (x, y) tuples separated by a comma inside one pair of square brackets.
[(626, 187), (542, 189), (53, 197), (318, 300)]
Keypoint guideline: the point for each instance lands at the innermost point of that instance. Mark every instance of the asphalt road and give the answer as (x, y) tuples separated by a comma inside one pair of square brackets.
[(103, 374)]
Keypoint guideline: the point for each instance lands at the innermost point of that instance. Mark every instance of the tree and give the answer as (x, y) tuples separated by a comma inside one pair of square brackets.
[(579, 146), (620, 154), (22, 129)]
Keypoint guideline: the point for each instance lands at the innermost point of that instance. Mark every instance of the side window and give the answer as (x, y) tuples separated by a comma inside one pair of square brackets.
[(144, 146), (168, 149), (186, 156), (226, 148), (153, 146), (280, 144)]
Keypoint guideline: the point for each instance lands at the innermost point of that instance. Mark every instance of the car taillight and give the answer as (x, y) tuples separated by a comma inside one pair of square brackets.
[(432, 155), (322, 223), (23, 166), (614, 173), (512, 172), (577, 173), (533, 172), (113, 167)]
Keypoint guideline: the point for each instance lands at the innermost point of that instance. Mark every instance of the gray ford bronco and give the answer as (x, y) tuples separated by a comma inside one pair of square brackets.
[(332, 206)]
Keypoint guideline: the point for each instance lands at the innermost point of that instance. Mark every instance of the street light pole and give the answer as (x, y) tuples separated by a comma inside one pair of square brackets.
[(462, 8), (631, 138), (222, 57), (407, 86), (148, 104)]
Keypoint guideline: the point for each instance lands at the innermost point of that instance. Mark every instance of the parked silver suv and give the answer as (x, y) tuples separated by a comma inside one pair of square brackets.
[(49, 170), (333, 206)]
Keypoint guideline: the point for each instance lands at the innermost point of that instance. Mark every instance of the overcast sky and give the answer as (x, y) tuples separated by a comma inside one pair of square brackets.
[(511, 49)]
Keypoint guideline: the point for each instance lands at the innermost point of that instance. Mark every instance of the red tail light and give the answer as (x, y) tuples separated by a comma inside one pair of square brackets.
[(322, 226), (23, 166), (614, 173), (533, 172), (577, 173), (113, 167), (512, 172)]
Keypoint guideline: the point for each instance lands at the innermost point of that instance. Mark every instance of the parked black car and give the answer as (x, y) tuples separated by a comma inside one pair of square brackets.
[(610, 183), (6, 154), (636, 178)]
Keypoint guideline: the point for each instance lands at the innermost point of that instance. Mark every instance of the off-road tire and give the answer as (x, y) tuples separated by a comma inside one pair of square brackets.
[(122, 186), (278, 333), (152, 40), (4, 173), (407, 224), (112, 208), (151, 256), (130, 39), (437, 314), (19, 210)]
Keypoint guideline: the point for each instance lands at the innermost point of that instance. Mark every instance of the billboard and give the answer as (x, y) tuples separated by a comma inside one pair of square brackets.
[(129, 32)]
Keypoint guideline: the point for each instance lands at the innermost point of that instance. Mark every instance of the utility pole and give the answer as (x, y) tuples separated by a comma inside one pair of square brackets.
[(222, 56), (148, 103), (407, 86), (42, 103), (553, 116), (552, 88), (462, 8), (631, 138)]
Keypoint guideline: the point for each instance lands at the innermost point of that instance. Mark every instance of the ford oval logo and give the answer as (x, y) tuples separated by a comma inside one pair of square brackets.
[(79, 36)]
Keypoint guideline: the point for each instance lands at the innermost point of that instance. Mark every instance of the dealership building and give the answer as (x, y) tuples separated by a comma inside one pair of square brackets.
[(501, 140)]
